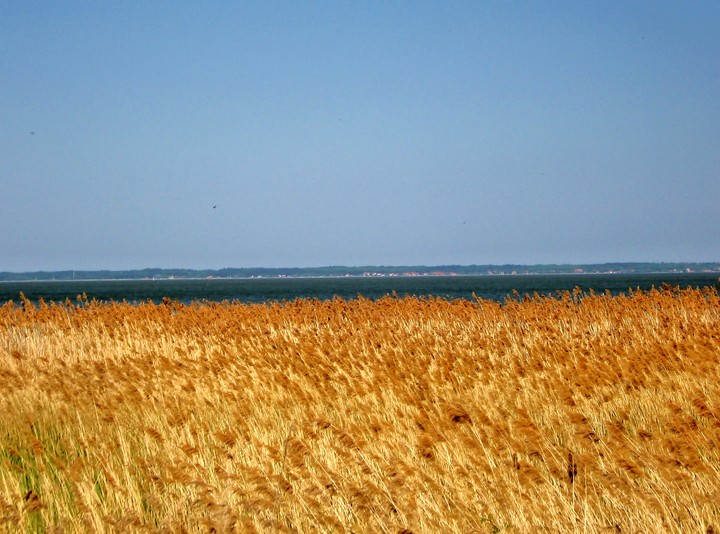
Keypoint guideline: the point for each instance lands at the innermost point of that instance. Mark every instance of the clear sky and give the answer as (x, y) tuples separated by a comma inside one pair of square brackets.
[(240, 134)]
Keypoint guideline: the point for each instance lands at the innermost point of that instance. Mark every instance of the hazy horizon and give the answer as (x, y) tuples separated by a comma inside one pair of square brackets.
[(353, 267), (280, 134)]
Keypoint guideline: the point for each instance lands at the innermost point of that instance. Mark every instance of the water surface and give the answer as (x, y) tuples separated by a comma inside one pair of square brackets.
[(496, 287)]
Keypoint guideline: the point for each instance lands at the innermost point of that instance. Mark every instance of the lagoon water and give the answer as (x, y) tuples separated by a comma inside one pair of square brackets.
[(496, 287)]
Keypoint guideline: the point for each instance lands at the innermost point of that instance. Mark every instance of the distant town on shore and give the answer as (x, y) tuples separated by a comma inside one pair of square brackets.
[(343, 271)]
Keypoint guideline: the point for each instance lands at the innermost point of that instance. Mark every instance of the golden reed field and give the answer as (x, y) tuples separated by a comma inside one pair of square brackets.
[(581, 413)]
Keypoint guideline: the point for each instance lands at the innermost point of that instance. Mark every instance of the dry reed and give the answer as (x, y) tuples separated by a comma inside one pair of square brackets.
[(590, 413)]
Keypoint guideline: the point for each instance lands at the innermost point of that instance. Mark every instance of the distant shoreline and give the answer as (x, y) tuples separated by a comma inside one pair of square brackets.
[(245, 273)]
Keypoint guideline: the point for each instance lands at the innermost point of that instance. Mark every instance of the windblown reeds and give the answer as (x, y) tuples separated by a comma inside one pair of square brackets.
[(581, 412)]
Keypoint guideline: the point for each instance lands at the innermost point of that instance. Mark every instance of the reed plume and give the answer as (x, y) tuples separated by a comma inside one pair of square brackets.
[(401, 414)]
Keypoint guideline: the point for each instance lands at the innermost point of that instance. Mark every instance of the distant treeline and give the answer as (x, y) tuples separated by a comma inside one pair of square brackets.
[(369, 270)]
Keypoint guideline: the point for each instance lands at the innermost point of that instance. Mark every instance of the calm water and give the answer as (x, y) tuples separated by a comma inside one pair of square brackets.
[(280, 289)]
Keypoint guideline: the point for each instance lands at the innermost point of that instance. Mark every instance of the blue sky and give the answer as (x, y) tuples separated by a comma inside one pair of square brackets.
[(357, 133)]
